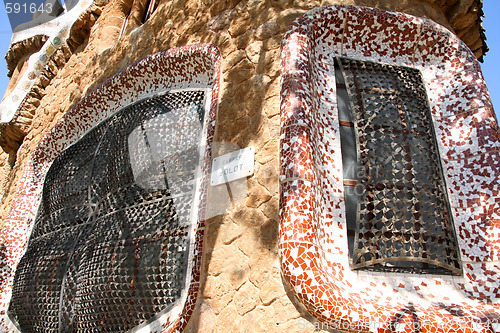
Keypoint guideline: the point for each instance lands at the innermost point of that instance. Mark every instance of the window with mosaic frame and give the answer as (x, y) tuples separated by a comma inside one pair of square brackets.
[(397, 211), (110, 245), (313, 231)]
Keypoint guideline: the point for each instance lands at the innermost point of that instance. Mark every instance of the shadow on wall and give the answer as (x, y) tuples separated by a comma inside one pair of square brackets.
[(245, 237)]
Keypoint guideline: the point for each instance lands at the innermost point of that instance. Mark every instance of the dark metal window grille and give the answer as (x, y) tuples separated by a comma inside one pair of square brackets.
[(398, 215), (109, 247)]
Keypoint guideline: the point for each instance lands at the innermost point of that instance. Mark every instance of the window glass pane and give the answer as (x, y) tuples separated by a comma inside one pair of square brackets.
[(342, 97), (349, 158), (351, 208)]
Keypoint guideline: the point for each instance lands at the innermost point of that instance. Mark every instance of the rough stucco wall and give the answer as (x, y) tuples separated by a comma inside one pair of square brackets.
[(241, 287)]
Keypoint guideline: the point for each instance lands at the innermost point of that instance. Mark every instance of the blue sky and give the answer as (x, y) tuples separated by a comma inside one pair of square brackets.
[(491, 65), (5, 34)]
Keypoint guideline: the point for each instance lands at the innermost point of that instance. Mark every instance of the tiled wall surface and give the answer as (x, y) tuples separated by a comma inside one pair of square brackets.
[(313, 237), (194, 66)]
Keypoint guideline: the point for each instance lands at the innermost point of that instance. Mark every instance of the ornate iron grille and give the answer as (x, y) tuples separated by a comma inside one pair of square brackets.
[(395, 193), (109, 247)]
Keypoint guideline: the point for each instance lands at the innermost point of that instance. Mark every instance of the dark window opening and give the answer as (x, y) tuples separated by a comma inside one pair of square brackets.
[(397, 212), (150, 8), (109, 248), (124, 25), (138, 13)]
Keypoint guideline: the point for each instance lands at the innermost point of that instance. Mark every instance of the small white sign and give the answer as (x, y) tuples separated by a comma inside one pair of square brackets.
[(232, 166)]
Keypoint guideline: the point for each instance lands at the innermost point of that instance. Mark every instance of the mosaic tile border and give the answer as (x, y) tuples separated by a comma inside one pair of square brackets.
[(313, 237), (188, 67)]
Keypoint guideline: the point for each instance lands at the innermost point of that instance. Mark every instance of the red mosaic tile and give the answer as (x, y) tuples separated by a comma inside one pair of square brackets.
[(297, 160)]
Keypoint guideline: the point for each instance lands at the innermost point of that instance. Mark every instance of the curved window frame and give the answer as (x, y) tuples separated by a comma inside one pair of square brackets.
[(313, 236), (191, 67)]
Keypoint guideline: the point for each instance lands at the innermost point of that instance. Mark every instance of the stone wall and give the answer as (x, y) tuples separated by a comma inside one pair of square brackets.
[(241, 286)]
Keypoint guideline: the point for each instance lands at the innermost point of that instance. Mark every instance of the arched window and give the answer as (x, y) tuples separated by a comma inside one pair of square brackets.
[(109, 248), (113, 200)]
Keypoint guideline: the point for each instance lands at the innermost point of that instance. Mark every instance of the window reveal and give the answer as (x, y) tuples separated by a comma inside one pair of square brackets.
[(109, 248), (397, 211)]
